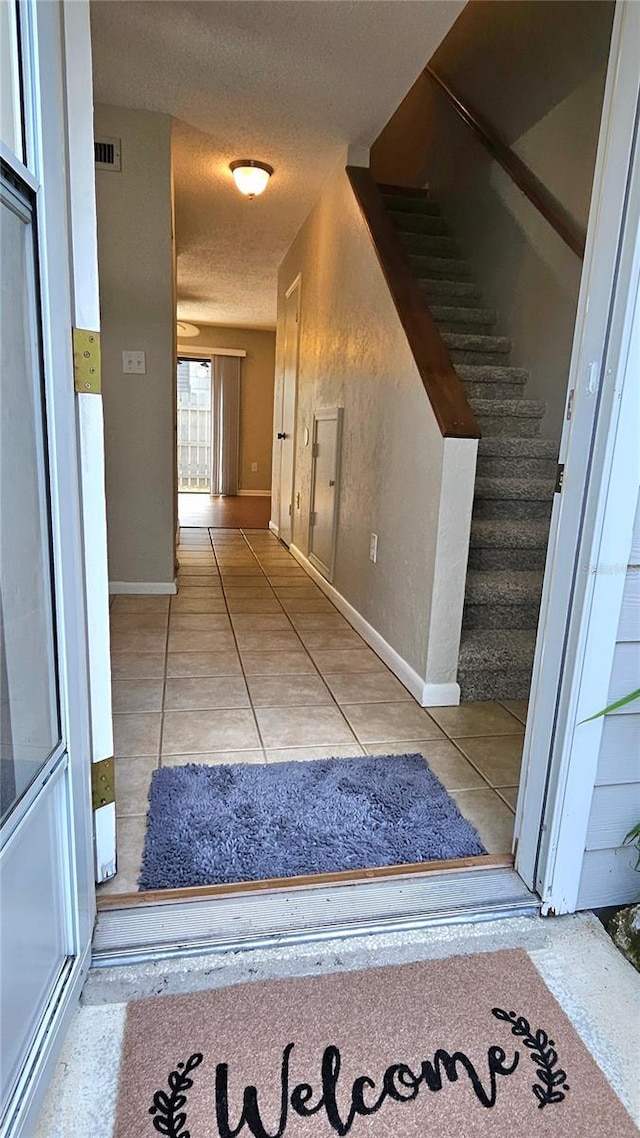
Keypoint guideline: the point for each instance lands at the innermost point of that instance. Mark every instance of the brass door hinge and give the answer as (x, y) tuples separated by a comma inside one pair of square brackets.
[(103, 783), (87, 370)]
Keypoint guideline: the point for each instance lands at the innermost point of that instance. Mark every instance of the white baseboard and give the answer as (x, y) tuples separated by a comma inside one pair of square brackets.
[(163, 587), (427, 695), (253, 494), (274, 528)]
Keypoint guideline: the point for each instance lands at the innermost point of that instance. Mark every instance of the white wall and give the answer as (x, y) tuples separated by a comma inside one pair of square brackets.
[(396, 467), (136, 266)]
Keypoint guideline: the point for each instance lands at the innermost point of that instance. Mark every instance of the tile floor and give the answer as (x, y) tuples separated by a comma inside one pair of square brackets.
[(250, 662)]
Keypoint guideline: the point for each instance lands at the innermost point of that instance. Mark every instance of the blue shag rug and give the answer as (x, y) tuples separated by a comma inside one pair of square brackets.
[(250, 821)]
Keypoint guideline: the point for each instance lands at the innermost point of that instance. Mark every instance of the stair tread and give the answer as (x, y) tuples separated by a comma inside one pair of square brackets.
[(503, 488), (504, 446), (451, 312), (499, 650), (476, 341), (499, 373), (503, 586), (443, 285), (509, 533), (521, 408)]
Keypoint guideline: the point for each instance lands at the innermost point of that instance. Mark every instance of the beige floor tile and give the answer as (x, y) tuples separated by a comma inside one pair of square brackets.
[(209, 581), (130, 843), (267, 640), (199, 622), (137, 695), (510, 795), (443, 757), (194, 601), (132, 785), (330, 639), (205, 692), (288, 691), (517, 707), (198, 569), (214, 758), (190, 664), (127, 602), (497, 757), (308, 604), (254, 605), (234, 584), (367, 687), (137, 665), (355, 660), (487, 718), (185, 732), (321, 621), (229, 572), (201, 641), (139, 641), (276, 663), (137, 734), (259, 592), (375, 722), (299, 591), (304, 754), (287, 579), (138, 621), (261, 622), (302, 726), (491, 817)]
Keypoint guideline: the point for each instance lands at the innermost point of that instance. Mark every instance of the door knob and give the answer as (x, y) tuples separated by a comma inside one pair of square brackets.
[(332, 481), (282, 435)]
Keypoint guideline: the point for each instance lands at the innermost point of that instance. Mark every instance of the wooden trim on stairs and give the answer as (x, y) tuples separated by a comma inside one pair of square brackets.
[(443, 386), (544, 201)]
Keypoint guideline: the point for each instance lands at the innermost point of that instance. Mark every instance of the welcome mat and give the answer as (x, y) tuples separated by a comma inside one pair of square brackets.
[(250, 822), (471, 1045)]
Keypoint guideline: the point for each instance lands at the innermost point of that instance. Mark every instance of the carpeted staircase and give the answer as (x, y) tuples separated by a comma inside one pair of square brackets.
[(516, 468)]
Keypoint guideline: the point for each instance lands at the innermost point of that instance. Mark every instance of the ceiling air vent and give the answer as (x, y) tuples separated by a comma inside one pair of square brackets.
[(107, 153)]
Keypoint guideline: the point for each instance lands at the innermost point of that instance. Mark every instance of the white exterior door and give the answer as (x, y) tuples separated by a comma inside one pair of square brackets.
[(287, 432), (55, 719)]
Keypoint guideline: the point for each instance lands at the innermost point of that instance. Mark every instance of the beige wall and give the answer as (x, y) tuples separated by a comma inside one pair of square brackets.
[(354, 354), (256, 408), (136, 266)]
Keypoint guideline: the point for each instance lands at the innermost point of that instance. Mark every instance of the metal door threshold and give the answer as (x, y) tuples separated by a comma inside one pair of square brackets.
[(310, 913)]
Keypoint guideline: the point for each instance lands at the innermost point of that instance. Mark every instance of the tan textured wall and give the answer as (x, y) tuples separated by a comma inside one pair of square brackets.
[(354, 354), (136, 266), (256, 407)]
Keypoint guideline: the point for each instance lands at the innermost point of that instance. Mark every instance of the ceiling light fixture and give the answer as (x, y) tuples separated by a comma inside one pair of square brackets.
[(185, 330), (251, 177)]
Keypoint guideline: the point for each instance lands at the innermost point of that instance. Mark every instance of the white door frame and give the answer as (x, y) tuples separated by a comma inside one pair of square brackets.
[(334, 414), (559, 761), (296, 284), (58, 100)]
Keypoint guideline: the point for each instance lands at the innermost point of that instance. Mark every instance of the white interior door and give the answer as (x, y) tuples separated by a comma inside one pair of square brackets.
[(325, 470), (287, 432), (53, 569)]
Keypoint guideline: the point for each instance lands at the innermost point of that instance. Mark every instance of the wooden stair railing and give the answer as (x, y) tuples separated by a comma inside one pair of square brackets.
[(544, 201), (442, 385)]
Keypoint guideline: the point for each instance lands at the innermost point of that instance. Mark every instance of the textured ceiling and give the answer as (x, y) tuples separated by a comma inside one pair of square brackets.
[(290, 83)]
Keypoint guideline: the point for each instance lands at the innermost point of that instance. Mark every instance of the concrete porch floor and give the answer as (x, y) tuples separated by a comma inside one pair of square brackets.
[(598, 989)]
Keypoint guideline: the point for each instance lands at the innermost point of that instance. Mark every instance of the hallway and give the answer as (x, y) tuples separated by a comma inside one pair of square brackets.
[(251, 663)]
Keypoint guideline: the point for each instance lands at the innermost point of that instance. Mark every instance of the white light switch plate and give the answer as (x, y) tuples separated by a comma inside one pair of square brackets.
[(134, 363)]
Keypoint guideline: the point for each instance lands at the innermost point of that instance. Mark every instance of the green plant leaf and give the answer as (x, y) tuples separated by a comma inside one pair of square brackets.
[(614, 706)]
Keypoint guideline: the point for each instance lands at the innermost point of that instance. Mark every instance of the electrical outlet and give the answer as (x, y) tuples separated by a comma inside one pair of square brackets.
[(254, 467), (373, 548), (134, 362)]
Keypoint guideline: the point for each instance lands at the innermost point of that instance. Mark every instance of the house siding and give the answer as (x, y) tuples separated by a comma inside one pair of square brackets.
[(608, 875)]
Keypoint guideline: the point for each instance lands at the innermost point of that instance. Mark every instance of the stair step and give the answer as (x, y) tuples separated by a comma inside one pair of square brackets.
[(450, 318), (429, 245), (502, 599), (446, 268), (443, 291), (477, 348), (496, 664), (515, 417), (523, 498), (498, 534), (492, 381), (423, 227), (409, 201)]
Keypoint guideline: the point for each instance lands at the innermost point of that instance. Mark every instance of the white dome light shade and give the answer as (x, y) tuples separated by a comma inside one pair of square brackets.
[(251, 177), (187, 330)]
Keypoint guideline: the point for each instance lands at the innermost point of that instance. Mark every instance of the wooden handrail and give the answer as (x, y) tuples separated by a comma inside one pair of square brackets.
[(443, 386), (537, 193)]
